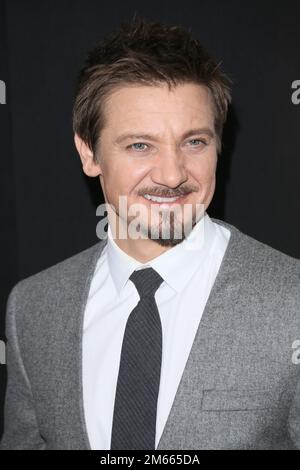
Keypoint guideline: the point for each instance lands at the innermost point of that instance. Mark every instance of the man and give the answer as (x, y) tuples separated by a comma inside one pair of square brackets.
[(176, 330)]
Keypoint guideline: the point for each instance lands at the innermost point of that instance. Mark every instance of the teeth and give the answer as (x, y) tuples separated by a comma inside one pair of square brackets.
[(160, 199)]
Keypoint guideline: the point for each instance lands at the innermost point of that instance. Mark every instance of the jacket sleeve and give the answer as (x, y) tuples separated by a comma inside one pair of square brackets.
[(20, 424), (294, 418)]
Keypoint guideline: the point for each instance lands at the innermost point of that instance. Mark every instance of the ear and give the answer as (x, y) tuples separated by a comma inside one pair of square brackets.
[(89, 166)]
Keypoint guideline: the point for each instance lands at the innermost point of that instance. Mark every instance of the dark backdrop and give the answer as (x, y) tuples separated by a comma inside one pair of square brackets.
[(48, 205)]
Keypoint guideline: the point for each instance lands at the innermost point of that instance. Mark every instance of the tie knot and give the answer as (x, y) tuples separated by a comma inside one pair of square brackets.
[(146, 281)]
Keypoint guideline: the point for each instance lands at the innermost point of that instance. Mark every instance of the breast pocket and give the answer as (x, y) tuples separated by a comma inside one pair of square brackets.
[(236, 400)]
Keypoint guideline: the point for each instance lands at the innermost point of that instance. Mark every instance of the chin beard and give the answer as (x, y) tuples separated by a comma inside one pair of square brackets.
[(171, 240), (168, 241)]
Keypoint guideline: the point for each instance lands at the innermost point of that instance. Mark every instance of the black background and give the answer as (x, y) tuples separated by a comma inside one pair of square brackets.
[(48, 205)]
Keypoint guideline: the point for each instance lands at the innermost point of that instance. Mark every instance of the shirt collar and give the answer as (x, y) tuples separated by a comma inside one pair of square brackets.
[(176, 265)]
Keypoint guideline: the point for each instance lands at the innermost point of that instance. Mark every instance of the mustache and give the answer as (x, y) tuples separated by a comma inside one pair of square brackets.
[(159, 192)]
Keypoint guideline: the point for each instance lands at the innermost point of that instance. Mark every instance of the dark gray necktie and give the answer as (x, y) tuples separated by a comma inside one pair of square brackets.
[(134, 418)]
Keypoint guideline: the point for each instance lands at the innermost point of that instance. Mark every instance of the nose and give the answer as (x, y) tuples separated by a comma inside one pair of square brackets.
[(170, 169)]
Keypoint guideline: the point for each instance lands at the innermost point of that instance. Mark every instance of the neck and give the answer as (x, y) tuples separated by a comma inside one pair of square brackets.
[(143, 250)]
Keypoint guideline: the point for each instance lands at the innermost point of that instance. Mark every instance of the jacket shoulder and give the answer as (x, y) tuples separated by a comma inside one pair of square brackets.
[(260, 253), (264, 271), (58, 277)]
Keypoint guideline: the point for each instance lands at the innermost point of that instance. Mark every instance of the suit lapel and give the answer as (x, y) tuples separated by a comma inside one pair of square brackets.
[(70, 419), (205, 358)]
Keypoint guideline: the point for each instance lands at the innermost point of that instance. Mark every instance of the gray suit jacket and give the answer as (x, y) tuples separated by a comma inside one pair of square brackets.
[(241, 384)]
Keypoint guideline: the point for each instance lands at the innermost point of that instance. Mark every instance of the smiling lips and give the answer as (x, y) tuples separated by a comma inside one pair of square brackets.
[(164, 200)]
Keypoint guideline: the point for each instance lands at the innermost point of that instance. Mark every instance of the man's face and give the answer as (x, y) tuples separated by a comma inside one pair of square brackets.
[(163, 143)]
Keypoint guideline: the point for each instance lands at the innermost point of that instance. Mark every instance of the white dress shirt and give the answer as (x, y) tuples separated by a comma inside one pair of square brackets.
[(189, 270)]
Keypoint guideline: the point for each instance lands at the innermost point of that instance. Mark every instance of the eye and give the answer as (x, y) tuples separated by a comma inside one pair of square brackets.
[(198, 142), (139, 146)]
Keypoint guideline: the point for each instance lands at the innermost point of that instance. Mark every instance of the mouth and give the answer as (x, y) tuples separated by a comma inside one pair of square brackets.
[(164, 201)]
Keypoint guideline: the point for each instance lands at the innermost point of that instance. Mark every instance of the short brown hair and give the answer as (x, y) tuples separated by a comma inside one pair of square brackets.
[(146, 53)]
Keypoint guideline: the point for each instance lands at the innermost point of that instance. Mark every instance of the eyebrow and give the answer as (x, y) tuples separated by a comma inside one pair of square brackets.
[(202, 130)]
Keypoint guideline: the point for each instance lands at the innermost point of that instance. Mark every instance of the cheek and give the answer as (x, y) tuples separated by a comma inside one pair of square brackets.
[(117, 182), (205, 172), (122, 170)]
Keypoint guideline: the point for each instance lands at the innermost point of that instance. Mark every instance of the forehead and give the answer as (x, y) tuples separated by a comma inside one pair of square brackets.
[(187, 104)]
